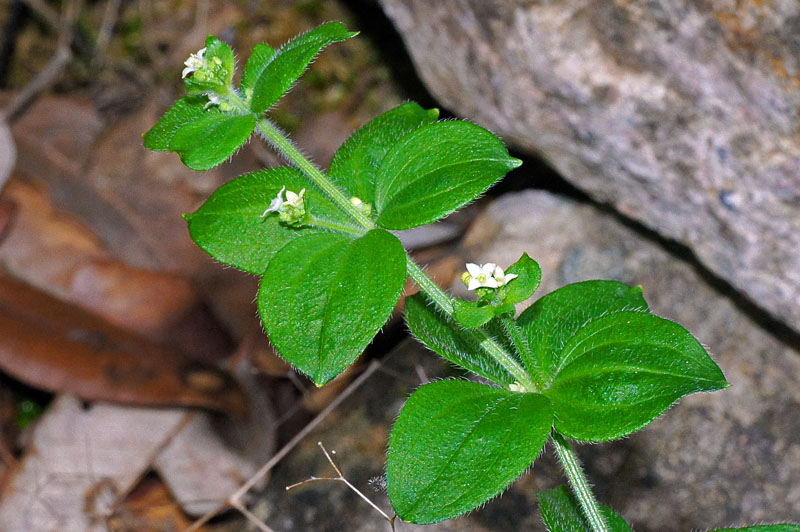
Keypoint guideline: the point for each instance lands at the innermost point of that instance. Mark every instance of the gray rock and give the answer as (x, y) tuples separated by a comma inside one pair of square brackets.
[(716, 459), (683, 114)]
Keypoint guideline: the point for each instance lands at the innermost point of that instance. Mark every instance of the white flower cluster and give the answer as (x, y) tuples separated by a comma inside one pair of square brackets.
[(290, 210), (488, 275), (194, 63)]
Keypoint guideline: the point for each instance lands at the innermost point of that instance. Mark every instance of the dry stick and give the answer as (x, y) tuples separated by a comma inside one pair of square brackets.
[(56, 65), (251, 516), (107, 25), (347, 483), (234, 500)]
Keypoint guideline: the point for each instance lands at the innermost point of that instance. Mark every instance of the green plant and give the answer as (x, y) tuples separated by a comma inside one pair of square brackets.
[(587, 362)]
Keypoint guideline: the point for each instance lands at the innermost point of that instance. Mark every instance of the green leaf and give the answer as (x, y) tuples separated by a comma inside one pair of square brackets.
[(324, 297), (470, 314), (259, 59), (184, 112), (457, 444), (291, 60), (437, 169), (622, 371), (451, 341), (561, 513), (211, 138), (219, 74), (229, 225), (529, 275), (355, 165), (780, 527), (556, 317)]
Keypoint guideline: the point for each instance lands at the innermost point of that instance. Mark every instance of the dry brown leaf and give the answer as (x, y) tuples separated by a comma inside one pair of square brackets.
[(80, 461), (212, 456), (55, 136), (56, 253), (149, 508), (51, 345)]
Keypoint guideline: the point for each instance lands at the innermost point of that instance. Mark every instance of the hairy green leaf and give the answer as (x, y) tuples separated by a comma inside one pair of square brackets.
[(457, 444), (218, 76), (324, 296), (451, 341), (184, 112), (529, 275), (355, 165), (287, 64), (621, 371), (229, 225), (556, 317), (561, 513), (437, 169), (259, 59), (471, 314), (210, 139)]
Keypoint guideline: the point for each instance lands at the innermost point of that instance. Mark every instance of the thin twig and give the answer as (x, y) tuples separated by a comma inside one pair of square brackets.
[(64, 25), (50, 15), (251, 516), (341, 478), (234, 500), (107, 26)]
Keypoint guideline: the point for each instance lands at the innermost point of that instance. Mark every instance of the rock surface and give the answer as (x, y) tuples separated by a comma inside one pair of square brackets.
[(684, 115), (717, 459)]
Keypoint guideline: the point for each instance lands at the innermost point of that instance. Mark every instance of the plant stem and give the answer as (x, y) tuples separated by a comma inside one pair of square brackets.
[(488, 344), (425, 283), (578, 483), (285, 146), (521, 343)]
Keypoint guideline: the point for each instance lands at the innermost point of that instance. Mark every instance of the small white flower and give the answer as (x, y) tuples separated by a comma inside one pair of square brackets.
[(290, 210), (194, 63), (488, 275), (480, 276), (276, 204), (294, 200), (502, 277), (213, 99)]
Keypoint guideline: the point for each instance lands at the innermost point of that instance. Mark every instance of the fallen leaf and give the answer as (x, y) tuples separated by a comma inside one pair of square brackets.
[(51, 345), (55, 252), (212, 456), (80, 461), (150, 507), (55, 135)]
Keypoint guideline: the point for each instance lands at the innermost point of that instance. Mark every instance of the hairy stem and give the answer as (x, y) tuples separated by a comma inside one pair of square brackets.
[(521, 343), (488, 344), (285, 146), (425, 283), (578, 483)]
